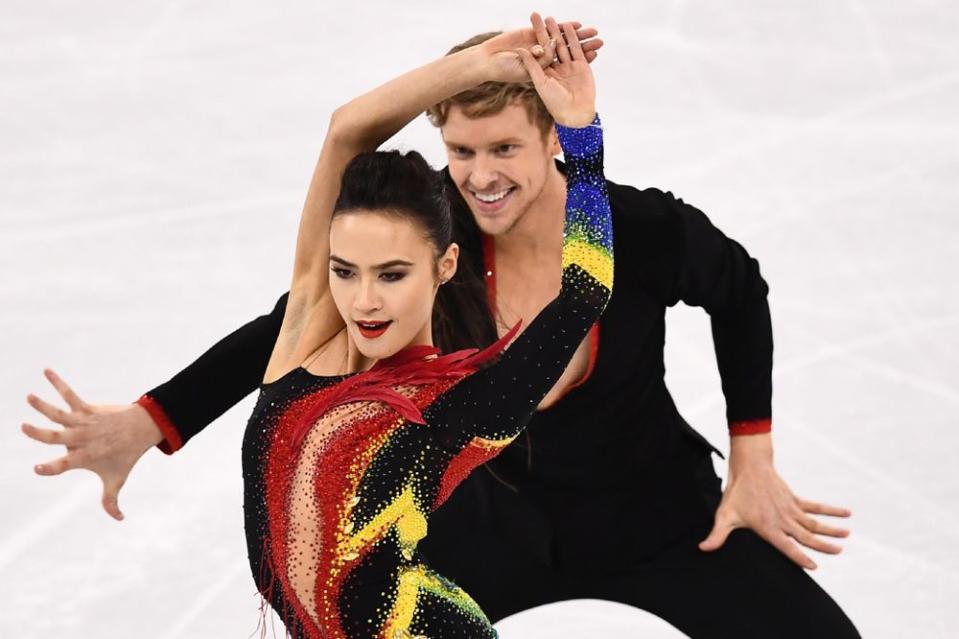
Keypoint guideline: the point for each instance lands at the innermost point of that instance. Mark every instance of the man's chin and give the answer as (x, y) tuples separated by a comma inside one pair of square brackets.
[(494, 224)]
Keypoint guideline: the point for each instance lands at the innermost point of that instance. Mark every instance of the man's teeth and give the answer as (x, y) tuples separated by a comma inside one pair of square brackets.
[(492, 197)]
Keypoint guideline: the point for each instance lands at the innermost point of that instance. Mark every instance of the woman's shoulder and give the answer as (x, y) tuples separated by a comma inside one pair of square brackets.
[(319, 354)]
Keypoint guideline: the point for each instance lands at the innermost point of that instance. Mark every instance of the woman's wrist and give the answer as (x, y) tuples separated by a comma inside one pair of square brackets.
[(578, 120)]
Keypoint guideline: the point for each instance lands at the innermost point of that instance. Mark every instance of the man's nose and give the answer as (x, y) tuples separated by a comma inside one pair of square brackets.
[(484, 174)]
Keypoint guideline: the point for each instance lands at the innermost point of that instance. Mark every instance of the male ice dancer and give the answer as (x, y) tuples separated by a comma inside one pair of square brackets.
[(612, 495)]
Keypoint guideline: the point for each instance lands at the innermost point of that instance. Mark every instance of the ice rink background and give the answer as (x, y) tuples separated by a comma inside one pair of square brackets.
[(153, 159)]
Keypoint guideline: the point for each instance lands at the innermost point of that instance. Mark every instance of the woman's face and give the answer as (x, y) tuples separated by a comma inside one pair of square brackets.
[(384, 274)]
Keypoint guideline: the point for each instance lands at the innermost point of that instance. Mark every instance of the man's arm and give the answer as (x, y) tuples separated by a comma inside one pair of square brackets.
[(705, 268), (226, 373), (716, 273)]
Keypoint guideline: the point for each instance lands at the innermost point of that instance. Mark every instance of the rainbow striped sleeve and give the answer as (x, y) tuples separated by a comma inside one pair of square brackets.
[(588, 234)]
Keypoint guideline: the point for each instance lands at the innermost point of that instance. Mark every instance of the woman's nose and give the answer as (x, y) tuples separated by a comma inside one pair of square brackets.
[(367, 298)]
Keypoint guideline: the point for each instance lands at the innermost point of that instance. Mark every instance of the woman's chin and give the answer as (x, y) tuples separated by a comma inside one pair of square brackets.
[(377, 349)]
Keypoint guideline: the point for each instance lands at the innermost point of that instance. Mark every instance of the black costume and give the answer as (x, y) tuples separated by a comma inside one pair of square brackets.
[(342, 473), (611, 490)]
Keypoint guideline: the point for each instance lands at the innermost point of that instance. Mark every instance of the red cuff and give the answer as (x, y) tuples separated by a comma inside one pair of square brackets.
[(171, 436), (750, 427)]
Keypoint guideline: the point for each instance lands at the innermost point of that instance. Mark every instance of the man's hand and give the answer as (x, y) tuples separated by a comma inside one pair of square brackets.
[(505, 63), (756, 497), (107, 440)]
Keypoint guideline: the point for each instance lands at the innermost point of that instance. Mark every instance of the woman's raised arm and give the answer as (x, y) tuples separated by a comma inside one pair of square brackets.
[(362, 125)]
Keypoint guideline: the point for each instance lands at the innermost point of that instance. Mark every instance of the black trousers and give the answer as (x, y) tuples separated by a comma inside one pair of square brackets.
[(514, 550)]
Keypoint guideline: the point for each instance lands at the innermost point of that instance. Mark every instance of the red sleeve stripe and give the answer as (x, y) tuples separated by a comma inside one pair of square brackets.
[(172, 441), (750, 427)]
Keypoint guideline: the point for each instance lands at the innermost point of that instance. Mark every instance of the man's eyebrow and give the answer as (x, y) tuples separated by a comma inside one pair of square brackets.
[(384, 265), (494, 143)]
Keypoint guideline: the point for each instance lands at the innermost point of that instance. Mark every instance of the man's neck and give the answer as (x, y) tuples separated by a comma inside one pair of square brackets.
[(539, 231)]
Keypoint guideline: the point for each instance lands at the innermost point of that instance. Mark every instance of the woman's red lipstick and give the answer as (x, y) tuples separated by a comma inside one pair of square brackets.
[(372, 330)]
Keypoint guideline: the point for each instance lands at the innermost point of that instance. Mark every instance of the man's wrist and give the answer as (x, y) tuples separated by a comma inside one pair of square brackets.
[(750, 426), (166, 438), (753, 450)]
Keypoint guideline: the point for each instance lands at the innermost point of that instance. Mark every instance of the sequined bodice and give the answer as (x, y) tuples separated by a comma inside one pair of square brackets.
[(339, 487)]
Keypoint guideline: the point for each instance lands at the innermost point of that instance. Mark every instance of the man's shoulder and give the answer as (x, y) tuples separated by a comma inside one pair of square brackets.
[(648, 210)]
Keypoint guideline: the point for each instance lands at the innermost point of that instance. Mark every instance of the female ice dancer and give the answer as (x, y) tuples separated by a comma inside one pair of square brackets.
[(343, 462), (362, 428)]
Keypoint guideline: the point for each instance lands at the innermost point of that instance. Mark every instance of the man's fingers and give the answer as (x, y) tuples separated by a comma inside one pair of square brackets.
[(784, 544), (590, 56), (69, 396), (54, 467), (814, 525), (110, 500), (817, 508), (722, 526), (562, 52), (810, 540), (46, 435), (575, 50), (50, 411)]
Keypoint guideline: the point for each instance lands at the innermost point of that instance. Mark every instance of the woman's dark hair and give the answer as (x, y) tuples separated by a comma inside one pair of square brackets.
[(462, 317), (400, 184)]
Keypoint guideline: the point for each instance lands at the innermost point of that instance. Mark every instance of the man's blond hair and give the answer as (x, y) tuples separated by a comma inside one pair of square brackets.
[(490, 98)]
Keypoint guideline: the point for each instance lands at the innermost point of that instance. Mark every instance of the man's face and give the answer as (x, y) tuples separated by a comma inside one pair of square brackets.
[(499, 164)]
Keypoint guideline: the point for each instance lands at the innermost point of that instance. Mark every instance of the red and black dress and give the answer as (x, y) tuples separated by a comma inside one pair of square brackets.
[(341, 474)]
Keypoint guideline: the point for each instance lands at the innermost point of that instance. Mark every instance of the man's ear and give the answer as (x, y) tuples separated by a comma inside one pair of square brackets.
[(552, 142)]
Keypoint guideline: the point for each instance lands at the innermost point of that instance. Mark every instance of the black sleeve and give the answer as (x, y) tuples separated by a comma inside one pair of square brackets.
[(229, 371), (703, 267)]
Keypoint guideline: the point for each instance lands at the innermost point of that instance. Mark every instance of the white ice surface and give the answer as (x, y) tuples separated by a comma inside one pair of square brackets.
[(153, 157)]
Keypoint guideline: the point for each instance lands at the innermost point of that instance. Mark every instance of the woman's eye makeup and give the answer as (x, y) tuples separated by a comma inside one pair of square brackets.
[(342, 273), (392, 276)]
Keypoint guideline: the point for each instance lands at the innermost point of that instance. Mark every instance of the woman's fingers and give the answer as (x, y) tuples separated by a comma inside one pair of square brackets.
[(533, 68), (539, 28), (50, 411), (69, 396), (562, 52), (593, 44), (575, 50), (585, 34)]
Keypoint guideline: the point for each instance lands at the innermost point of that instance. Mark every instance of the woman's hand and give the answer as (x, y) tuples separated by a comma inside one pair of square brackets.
[(504, 62), (566, 86), (107, 440)]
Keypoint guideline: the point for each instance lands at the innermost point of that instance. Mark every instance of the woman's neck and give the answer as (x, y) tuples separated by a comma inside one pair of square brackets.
[(357, 362)]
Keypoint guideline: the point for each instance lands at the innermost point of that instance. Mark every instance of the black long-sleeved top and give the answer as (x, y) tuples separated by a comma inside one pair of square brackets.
[(622, 416)]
